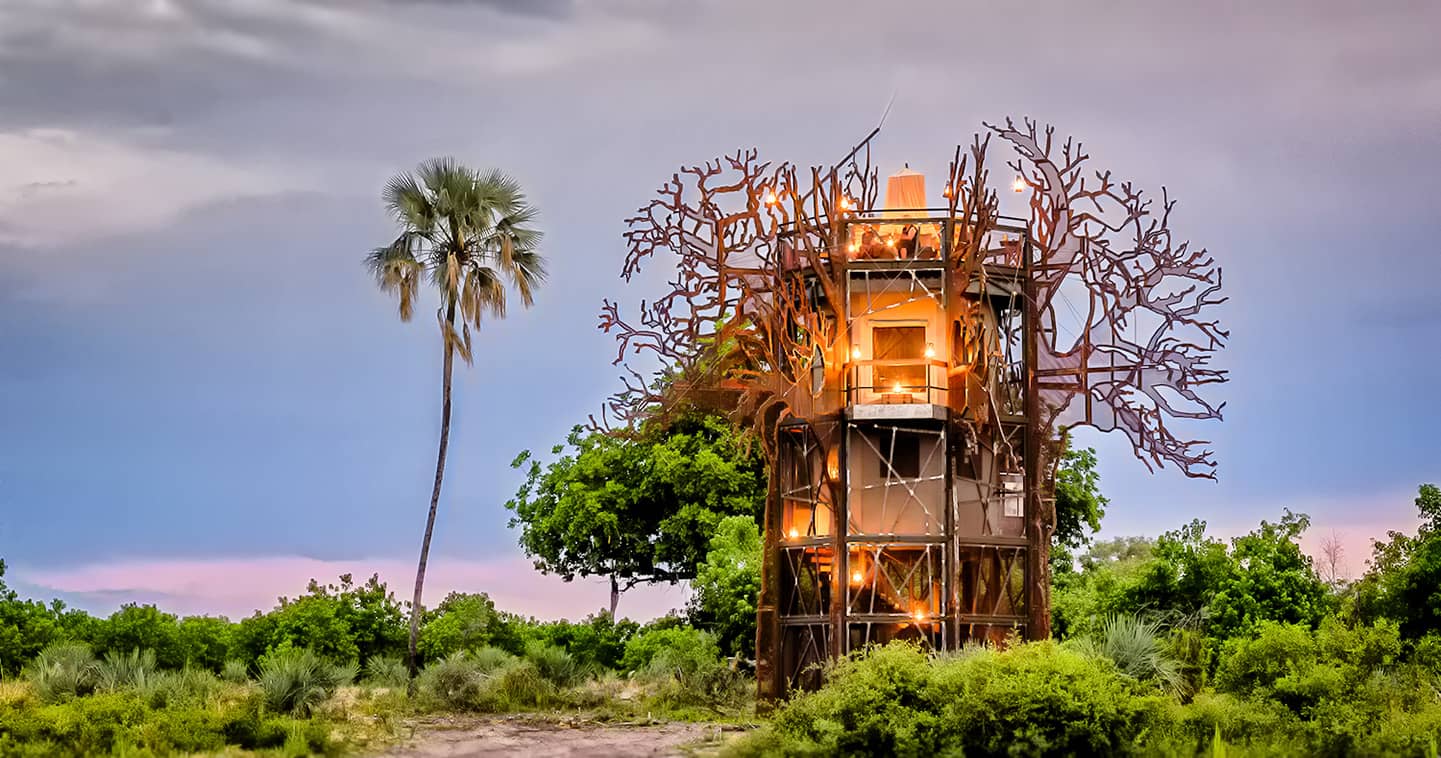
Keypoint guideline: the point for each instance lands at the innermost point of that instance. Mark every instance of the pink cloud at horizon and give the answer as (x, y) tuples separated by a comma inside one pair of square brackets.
[(238, 586)]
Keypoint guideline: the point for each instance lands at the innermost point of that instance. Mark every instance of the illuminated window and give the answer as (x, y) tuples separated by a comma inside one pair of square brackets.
[(899, 344)]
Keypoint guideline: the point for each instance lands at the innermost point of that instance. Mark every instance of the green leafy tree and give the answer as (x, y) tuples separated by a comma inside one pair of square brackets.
[(1101, 588), (1080, 506), (727, 584), (141, 627), (462, 621), (636, 509), (26, 627), (470, 234), (1260, 576), (340, 622), (1405, 572), (205, 641)]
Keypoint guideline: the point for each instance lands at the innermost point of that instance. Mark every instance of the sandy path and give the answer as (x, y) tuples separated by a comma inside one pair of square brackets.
[(534, 736)]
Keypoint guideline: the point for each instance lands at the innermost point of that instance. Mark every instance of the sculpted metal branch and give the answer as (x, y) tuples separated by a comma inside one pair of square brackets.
[(1141, 346)]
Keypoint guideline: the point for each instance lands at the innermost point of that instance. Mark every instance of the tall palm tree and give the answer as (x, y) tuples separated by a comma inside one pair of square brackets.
[(469, 235)]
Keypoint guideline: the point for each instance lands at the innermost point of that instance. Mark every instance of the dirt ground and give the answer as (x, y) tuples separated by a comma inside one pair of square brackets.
[(552, 738)]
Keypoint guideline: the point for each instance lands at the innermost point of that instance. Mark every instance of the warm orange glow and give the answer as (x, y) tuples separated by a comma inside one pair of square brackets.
[(771, 199), (845, 203), (855, 247), (898, 387), (857, 577), (920, 614), (856, 353), (930, 351), (795, 534), (1019, 184), (890, 242), (947, 193)]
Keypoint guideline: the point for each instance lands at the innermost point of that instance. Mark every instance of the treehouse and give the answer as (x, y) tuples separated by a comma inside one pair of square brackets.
[(901, 477), (910, 370)]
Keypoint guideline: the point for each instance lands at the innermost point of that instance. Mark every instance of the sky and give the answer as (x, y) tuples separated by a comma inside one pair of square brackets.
[(204, 400)]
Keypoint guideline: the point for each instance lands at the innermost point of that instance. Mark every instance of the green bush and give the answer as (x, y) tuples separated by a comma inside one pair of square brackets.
[(186, 687), (461, 682), (235, 672), (122, 723), (1033, 699), (125, 670), (296, 680), (456, 682), (553, 663), (1138, 648), (63, 669), (387, 671), (643, 647)]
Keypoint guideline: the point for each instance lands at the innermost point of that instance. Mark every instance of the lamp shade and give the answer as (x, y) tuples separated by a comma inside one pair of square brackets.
[(906, 189)]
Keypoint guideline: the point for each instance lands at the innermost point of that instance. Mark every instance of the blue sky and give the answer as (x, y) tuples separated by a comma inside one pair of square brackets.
[(196, 373)]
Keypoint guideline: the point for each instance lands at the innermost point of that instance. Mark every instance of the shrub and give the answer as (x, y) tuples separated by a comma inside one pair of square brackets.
[(553, 663), (235, 672), (63, 669), (296, 680), (1033, 699), (456, 682), (387, 671), (125, 670), (187, 687), (490, 658), (520, 685), (643, 647), (1138, 649)]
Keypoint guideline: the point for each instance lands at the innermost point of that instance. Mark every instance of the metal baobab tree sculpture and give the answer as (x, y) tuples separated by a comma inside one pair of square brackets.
[(908, 370)]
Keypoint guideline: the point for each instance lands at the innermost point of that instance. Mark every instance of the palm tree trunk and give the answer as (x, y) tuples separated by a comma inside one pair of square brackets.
[(449, 364)]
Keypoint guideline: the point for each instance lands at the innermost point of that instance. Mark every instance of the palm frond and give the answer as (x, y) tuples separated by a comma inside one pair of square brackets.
[(409, 204), (397, 271), (469, 233)]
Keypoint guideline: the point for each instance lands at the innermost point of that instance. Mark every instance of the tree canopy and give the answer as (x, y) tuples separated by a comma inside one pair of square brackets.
[(636, 510)]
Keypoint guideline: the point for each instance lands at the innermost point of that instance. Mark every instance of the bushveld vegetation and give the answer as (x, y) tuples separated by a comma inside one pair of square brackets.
[(1182, 645)]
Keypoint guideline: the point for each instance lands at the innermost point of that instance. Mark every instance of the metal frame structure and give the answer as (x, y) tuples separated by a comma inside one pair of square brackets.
[(922, 510)]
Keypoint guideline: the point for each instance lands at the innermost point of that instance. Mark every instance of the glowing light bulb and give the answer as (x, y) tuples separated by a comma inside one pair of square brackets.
[(855, 247), (947, 193), (930, 351), (856, 353), (1019, 184), (857, 577), (772, 199), (898, 387), (919, 615), (845, 203), (795, 534), (890, 242)]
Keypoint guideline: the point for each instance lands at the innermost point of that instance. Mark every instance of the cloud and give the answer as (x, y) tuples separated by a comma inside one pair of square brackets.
[(63, 186), (236, 587), (542, 8)]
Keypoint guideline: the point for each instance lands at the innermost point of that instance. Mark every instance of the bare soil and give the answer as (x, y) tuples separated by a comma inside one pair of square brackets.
[(529, 735)]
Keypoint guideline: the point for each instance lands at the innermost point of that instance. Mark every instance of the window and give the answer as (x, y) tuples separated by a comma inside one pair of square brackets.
[(899, 344), (1013, 493), (904, 451)]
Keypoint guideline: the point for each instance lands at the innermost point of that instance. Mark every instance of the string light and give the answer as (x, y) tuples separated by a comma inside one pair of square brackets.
[(1019, 184), (772, 199), (845, 203)]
